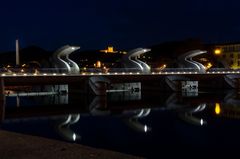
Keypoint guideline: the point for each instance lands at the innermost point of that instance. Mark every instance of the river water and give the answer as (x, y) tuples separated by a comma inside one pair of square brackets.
[(150, 125)]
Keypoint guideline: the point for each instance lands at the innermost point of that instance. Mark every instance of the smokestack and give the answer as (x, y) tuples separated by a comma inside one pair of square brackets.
[(17, 53)]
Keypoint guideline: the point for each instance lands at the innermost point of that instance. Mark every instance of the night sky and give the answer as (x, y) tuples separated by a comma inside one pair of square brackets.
[(125, 24)]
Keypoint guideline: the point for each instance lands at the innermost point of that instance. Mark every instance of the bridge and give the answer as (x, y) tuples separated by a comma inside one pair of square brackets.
[(66, 76), (46, 76)]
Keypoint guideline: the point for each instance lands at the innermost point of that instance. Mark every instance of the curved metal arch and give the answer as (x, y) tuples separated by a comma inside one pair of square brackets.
[(61, 58), (186, 61), (131, 61)]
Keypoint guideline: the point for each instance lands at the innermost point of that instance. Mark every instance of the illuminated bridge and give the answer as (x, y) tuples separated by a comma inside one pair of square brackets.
[(135, 75), (165, 77)]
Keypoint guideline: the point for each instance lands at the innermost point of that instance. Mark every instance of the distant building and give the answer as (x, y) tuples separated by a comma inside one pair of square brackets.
[(110, 49), (228, 54)]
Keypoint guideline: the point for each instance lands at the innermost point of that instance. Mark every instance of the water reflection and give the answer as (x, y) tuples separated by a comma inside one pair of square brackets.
[(64, 127), (189, 117), (134, 123), (134, 112), (154, 119)]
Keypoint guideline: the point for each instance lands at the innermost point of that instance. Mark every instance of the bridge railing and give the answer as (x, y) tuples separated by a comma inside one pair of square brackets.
[(11, 71)]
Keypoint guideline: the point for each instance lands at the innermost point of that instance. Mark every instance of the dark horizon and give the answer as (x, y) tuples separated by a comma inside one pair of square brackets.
[(122, 24)]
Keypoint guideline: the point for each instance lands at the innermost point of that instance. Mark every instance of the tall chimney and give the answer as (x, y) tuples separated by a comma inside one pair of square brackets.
[(17, 53)]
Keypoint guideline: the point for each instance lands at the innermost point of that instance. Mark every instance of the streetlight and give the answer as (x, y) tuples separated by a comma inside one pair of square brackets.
[(217, 51)]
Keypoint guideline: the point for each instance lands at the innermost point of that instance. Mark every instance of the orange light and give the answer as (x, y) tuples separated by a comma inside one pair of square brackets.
[(217, 51), (209, 65), (110, 49), (98, 64), (217, 108)]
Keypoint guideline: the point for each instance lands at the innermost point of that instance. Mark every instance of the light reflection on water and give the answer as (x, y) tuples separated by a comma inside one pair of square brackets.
[(149, 126)]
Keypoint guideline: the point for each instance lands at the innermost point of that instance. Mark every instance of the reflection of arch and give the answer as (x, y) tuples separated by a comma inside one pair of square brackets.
[(188, 116), (232, 80), (231, 98), (62, 61), (137, 125), (97, 106), (65, 130), (186, 61), (132, 63)]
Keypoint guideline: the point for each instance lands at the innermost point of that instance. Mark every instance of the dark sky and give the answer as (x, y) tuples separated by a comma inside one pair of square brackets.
[(125, 24)]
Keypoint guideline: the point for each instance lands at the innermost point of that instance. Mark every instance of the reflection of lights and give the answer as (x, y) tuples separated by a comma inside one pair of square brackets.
[(145, 128), (201, 107), (201, 121), (217, 108), (74, 137)]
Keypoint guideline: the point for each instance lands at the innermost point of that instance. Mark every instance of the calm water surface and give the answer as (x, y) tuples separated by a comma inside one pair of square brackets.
[(151, 125)]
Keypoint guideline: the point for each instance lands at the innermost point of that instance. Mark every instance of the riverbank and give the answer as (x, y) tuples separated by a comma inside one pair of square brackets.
[(15, 145)]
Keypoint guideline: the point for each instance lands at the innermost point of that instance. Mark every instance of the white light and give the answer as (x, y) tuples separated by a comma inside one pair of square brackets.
[(108, 73), (44, 74), (92, 73), (130, 73), (159, 72), (54, 74), (178, 72), (35, 74), (72, 48), (64, 74), (25, 74), (83, 73), (145, 128), (201, 121), (14, 74), (123, 73), (3, 74), (100, 73), (74, 137), (153, 73), (115, 73), (138, 73), (223, 71)]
